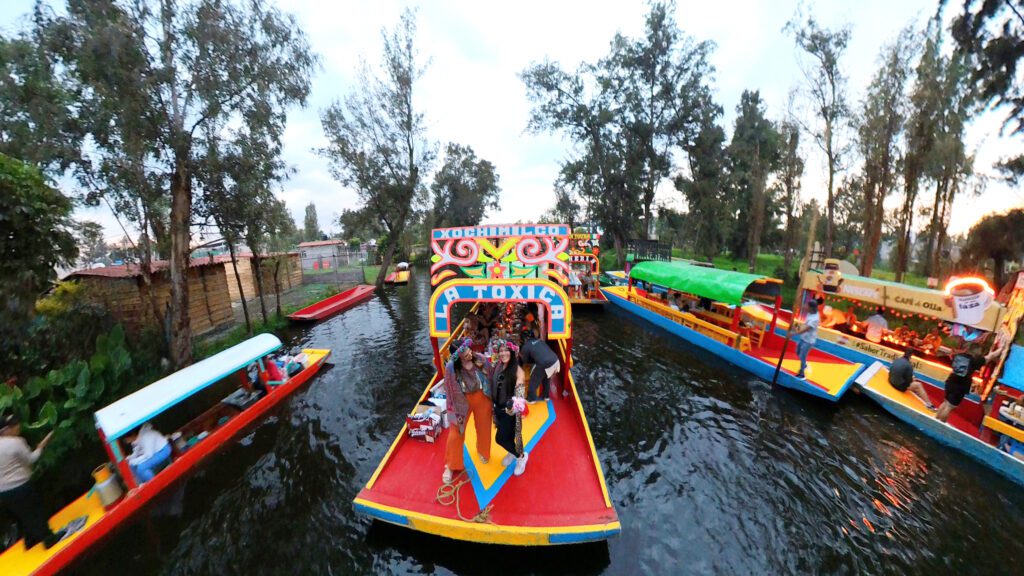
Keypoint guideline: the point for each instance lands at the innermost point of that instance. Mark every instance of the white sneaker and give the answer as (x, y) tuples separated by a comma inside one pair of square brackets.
[(482, 459), (508, 460), (521, 464), (565, 393), (447, 476)]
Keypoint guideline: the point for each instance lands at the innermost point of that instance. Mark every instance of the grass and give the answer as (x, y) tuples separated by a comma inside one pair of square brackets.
[(370, 274)]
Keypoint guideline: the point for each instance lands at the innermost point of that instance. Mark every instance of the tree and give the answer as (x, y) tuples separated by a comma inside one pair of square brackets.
[(991, 35), (791, 169), (153, 76), (311, 225), (753, 154), (704, 186), (377, 139), (997, 237), (825, 89), (464, 188), (37, 237), (89, 236), (879, 131)]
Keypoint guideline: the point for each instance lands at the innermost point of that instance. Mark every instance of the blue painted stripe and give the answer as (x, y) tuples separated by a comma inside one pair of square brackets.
[(578, 537), (484, 496), (391, 517), (755, 366)]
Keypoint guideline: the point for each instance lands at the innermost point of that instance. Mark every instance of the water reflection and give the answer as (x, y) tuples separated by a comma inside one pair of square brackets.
[(711, 470)]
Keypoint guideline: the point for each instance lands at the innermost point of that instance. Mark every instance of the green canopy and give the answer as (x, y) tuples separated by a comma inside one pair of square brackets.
[(719, 285)]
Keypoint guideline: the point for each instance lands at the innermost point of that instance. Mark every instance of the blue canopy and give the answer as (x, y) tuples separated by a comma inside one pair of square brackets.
[(139, 407), (1013, 369)]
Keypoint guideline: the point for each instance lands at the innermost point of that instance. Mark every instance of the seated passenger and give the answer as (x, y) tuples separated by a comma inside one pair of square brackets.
[(830, 317), (150, 452), (875, 326), (901, 377)]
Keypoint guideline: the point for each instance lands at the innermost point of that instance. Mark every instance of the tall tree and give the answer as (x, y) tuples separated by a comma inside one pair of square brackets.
[(791, 169), (997, 237), (879, 130), (377, 138), (311, 224), (825, 90), (703, 186), (753, 154), (464, 189), (166, 70)]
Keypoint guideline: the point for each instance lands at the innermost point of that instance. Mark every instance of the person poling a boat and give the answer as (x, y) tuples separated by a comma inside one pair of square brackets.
[(507, 382), (467, 390), (806, 335), (151, 452), (961, 377), (545, 365), (901, 377), (17, 494)]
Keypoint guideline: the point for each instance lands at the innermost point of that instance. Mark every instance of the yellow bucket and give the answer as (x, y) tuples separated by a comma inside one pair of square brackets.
[(102, 473)]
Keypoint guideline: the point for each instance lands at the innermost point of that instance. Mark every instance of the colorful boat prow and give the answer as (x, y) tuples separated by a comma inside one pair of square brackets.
[(333, 304)]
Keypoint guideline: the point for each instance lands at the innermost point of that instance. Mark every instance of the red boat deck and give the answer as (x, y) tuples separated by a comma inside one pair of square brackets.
[(334, 304), (561, 498)]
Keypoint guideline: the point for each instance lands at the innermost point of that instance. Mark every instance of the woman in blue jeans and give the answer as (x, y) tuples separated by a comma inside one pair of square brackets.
[(806, 335)]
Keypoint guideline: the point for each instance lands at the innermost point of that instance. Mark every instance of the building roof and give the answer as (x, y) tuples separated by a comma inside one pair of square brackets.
[(321, 243), (133, 270), (139, 407)]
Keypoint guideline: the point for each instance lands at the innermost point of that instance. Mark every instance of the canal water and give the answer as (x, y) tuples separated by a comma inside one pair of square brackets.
[(711, 470)]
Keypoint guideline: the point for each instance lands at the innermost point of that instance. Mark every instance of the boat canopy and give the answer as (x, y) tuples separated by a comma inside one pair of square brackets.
[(1013, 369), (719, 285), (139, 407)]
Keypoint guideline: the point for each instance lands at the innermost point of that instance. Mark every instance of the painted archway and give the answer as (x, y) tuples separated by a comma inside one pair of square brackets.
[(539, 290)]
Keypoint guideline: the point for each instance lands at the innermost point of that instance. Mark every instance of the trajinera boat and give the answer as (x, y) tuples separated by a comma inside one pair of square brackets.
[(517, 273), (400, 274), (118, 495), (934, 325), (733, 315), (585, 261), (333, 304)]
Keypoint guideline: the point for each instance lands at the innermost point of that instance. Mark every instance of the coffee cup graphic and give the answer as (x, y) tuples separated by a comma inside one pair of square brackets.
[(970, 298)]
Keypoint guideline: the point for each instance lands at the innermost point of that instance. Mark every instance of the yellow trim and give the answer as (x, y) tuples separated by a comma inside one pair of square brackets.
[(486, 533), (717, 333), (431, 316), (586, 428), (1004, 428)]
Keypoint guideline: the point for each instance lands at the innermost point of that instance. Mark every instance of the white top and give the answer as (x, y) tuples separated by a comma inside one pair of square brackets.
[(147, 444), (122, 416), (811, 335), (877, 324), (16, 460)]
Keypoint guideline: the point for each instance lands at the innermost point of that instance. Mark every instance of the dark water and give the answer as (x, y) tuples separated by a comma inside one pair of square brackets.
[(711, 471)]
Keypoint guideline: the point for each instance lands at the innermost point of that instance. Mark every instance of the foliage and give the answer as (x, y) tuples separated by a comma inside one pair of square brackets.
[(791, 169), (311, 225), (464, 189), (377, 139), (37, 237), (997, 237), (825, 90), (704, 188)]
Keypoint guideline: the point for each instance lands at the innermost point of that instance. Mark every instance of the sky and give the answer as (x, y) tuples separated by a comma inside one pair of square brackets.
[(471, 92)]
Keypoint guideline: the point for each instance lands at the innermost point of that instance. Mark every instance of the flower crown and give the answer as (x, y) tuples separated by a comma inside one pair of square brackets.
[(467, 344), (498, 343)]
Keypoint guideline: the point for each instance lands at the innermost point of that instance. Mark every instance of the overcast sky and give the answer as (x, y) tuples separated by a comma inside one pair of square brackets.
[(471, 93)]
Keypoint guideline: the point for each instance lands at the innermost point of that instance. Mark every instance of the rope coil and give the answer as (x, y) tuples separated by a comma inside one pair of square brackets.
[(448, 494)]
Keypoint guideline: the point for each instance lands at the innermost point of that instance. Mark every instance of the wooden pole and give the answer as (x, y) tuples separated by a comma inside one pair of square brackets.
[(796, 295)]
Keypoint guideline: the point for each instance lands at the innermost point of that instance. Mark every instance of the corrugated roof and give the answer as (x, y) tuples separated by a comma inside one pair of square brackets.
[(133, 270)]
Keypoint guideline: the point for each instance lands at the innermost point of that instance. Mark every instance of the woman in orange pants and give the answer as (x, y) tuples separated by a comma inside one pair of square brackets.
[(467, 390)]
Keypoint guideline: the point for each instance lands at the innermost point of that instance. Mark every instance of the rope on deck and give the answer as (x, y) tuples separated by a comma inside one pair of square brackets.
[(448, 494)]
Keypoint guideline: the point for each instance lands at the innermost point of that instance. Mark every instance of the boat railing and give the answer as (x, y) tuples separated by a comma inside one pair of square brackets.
[(719, 334)]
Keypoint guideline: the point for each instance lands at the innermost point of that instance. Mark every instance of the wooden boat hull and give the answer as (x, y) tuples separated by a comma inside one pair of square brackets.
[(334, 304), (102, 523), (836, 375), (402, 490), (908, 408)]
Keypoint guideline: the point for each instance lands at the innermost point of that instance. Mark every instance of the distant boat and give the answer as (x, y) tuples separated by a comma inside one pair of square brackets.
[(400, 275), (200, 438), (333, 305)]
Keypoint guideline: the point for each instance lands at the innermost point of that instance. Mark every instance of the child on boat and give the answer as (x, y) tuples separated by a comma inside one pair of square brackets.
[(467, 390), (150, 452)]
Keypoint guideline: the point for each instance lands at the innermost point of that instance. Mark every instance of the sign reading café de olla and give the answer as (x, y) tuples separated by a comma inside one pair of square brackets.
[(967, 301)]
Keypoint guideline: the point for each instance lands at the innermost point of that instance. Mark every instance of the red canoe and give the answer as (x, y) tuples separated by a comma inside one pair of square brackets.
[(334, 304)]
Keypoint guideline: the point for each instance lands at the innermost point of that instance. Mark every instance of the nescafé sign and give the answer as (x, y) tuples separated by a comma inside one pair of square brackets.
[(545, 293)]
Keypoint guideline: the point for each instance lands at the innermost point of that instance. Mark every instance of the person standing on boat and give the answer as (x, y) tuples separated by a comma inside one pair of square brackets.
[(901, 377), (468, 391), (875, 326), (150, 452), (961, 377), (545, 365), (507, 381), (17, 494), (806, 335)]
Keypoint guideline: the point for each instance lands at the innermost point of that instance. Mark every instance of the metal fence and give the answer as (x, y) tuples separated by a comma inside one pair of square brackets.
[(338, 267)]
